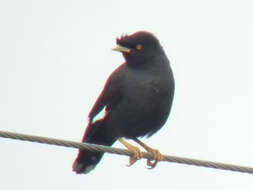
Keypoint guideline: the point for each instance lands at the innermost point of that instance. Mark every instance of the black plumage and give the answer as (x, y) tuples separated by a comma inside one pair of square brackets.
[(137, 97)]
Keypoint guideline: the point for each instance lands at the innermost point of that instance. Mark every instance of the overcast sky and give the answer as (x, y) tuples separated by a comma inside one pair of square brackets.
[(56, 55)]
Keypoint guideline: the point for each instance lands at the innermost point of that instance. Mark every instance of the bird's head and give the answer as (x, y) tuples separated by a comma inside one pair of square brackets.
[(138, 48)]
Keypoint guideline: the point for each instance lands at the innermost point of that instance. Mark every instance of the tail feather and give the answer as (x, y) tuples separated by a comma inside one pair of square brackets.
[(86, 160)]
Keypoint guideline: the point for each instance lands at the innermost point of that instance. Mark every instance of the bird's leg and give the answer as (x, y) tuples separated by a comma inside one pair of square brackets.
[(135, 150), (156, 154)]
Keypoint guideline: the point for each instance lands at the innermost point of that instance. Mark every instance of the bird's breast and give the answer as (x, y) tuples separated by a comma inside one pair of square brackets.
[(145, 103), (150, 94)]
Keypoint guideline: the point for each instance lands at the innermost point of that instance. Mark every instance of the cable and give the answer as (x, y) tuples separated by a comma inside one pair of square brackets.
[(101, 148)]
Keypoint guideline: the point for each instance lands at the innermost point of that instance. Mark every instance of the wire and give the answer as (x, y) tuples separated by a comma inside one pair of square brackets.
[(101, 148)]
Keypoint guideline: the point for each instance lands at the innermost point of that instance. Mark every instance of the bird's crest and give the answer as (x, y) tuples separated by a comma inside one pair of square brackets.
[(123, 37)]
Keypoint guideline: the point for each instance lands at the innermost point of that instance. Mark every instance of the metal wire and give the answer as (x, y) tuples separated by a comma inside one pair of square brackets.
[(100, 148)]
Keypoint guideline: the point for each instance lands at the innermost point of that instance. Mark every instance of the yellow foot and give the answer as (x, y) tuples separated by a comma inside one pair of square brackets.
[(155, 153), (136, 153), (157, 157)]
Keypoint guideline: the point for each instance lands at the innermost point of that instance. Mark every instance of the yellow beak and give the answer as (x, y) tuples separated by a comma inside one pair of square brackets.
[(122, 49)]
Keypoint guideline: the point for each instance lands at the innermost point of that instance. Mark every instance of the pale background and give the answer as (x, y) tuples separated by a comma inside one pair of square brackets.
[(56, 55)]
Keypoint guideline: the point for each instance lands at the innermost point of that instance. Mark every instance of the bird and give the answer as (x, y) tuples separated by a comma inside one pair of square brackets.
[(137, 99)]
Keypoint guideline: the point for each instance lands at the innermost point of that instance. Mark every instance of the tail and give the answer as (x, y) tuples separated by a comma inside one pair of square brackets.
[(95, 133)]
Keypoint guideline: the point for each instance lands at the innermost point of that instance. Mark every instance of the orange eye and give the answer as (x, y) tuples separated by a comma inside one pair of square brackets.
[(139, 47)]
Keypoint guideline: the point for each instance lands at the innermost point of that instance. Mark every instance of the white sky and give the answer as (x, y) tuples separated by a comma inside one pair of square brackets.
[(56, 55)]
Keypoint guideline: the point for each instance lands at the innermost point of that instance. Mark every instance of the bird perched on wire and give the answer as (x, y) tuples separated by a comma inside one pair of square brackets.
[(137, 98)]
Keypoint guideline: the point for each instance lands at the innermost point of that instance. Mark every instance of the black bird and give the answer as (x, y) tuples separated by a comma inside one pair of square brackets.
[(137, 98)]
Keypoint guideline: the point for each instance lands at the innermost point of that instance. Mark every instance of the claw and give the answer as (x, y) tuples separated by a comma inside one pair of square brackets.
[(136, 156), (136, 153), (157, 157), (156, 154), (151, 164)]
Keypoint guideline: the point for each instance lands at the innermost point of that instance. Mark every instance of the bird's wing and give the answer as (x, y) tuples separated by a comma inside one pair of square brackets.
[(111, 94)]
